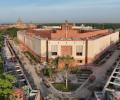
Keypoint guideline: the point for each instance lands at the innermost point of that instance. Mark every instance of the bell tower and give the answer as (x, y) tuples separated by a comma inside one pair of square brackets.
[(66, 27)]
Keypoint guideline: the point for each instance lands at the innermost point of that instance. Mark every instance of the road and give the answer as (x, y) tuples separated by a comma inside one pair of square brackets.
[(32, 76), (100, 73)]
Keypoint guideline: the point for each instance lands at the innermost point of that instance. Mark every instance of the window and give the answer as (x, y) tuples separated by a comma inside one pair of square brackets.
[(79, 50), (54, 53), (79, 61), (54, 50), (79, 53)]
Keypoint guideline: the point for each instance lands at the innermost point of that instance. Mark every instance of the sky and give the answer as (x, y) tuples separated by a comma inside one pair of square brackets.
[(55, 11)]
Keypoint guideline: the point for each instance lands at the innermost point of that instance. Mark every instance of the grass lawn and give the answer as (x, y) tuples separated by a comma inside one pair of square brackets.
[(62, 87)]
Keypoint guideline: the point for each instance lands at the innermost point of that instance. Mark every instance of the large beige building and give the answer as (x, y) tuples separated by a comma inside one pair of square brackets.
[(21, 25), (84, 46)]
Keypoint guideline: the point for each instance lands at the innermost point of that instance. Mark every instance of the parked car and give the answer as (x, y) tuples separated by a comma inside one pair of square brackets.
[(92, 78)]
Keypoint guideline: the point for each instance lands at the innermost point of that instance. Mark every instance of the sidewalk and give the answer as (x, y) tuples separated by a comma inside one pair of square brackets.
[(32, 73), (99, 72)]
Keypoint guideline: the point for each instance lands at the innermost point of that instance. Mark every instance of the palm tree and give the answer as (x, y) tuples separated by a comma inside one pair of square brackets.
[(53, 64), (50, 66), (66, 75), (68, 62)]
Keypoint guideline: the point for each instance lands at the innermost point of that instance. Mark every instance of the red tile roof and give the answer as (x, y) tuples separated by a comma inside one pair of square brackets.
[(66, 31)]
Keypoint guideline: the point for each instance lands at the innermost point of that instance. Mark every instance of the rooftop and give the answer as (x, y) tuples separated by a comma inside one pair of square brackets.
[(68, 32)]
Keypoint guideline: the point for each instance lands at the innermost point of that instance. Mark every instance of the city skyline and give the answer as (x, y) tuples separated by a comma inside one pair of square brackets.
[(54, 11)]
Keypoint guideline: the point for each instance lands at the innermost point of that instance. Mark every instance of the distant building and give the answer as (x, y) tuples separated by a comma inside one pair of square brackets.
[(84, 45), (31, 26), (82, 27), (21, 25)]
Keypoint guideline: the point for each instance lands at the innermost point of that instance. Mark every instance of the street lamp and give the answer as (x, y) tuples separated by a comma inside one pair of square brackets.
[(66, 75)]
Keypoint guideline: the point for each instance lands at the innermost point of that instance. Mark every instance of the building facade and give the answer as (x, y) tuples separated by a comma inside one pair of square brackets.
[(84, 45)]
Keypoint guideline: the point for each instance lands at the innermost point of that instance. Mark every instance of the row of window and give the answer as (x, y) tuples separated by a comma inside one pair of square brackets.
[(77, 53), (79, 49)]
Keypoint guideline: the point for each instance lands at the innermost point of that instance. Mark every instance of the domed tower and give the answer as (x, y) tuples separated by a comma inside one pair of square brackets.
[(20, 24), (31, 25), (19, 21)]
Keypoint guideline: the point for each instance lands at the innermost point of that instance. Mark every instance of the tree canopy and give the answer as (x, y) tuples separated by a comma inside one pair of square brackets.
[(6, 85), (12, 32)]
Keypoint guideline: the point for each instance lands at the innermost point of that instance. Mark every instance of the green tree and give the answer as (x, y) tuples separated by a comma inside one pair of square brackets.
[(12, 32), (68, 62), (52, 66), (54, 63), (6, 86), (49, 67), (6, 80)]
